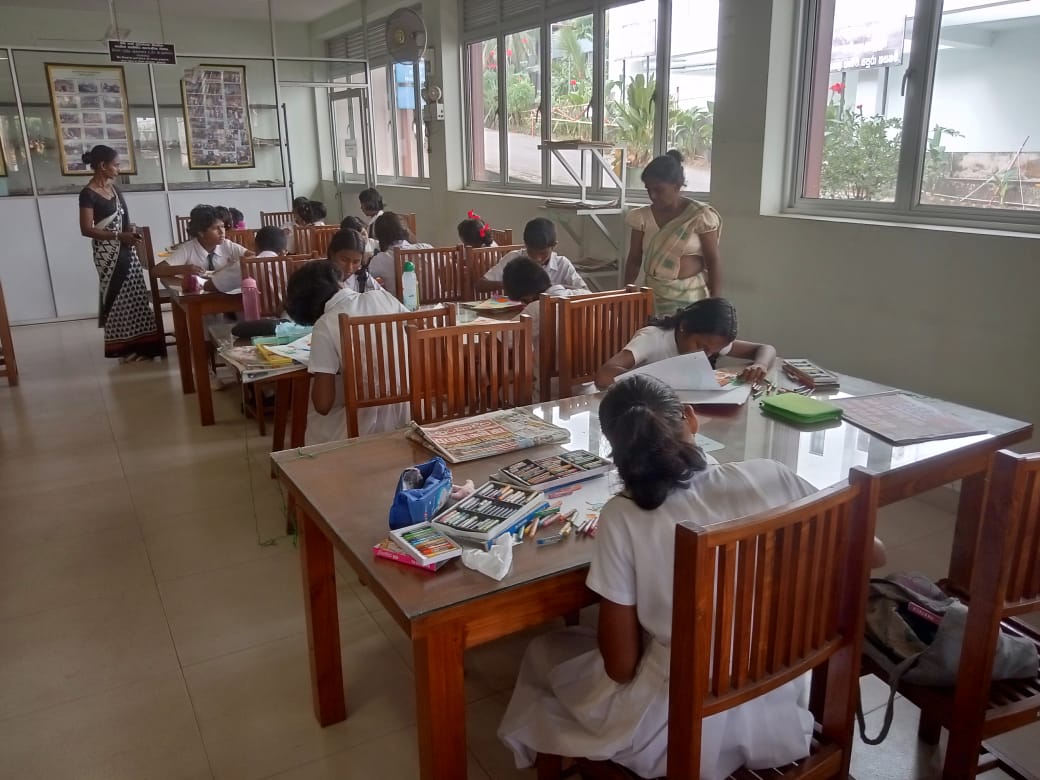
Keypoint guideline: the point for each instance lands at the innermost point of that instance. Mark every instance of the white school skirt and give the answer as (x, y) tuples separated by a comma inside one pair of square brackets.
[(565, 704)]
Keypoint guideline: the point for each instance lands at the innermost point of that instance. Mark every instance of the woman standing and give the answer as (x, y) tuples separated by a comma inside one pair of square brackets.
[(675, 240), (125, 310)]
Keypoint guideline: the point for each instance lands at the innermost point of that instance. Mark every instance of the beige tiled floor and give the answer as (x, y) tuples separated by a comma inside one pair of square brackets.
[(146, 632)]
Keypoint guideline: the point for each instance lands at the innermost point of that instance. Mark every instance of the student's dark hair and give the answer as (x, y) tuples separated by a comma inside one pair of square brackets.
[(237, 217), (352, 223), (667, 168), (310, 288), (201, 219), (649, 439), (474, 231), (271, 238), (390, 228), (523, 278), (540, 233), (298, 202), (225, 216), (351, 240), (98, 155), (709, 316), (310, 211), (371, 200)]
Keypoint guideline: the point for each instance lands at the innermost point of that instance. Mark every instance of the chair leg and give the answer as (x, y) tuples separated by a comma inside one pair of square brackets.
[(928, 729), (258, 401)]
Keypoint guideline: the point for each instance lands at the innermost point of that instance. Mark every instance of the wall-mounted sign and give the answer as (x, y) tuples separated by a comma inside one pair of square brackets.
[(875, 43), (139, 51)]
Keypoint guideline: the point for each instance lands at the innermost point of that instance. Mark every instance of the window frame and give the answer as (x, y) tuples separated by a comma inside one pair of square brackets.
[(906, 206)]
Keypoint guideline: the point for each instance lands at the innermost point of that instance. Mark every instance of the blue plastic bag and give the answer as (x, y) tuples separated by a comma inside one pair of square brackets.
[(418, 504)]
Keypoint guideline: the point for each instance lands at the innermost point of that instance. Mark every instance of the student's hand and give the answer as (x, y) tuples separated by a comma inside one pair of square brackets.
[(754, 373), (191, 268)]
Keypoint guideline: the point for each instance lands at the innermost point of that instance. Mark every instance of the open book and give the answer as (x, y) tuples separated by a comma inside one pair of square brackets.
[(695, 381), (488, 434)]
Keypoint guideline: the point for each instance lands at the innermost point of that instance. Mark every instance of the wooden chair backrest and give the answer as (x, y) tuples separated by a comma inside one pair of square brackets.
[(272, 278), (409, 221), (439, 270), (245, 237), (8, 364), (314, 239), (502, 236), (761, 600), (592, 328), (375, 357), (469, 369), (182, 229), (275, 218), (479, 260), (146, 254)]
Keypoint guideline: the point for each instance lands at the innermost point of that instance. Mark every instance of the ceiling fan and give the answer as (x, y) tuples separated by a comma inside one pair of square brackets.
[(112, 33)]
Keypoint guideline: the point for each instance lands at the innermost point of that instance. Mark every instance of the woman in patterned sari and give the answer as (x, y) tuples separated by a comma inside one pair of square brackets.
[(125, 310), (675, 240)]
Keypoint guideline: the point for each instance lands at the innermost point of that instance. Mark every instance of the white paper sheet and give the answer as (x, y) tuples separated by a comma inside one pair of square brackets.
[(692, 371), (299, 350), (732, 395)]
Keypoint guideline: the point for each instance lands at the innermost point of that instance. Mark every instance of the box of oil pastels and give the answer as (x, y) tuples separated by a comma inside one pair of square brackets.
[(493, 509)]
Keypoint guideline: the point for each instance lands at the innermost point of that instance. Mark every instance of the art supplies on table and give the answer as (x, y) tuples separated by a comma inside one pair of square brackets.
[(900, 419), (800, 409), (808, 374), (557, 470), (299, 350), (425, 543), (495, 303), (694, 380), (392, 551), (493, 509), (488, 434)]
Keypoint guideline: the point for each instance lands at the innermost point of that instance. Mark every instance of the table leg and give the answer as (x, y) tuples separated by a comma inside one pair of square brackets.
[(282, 396), (180, 331), (319, 601), (200, 362), (965, 534), (301, 390), (440, 703)]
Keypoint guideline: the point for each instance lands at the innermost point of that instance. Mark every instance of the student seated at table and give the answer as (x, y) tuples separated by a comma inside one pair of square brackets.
[(358, 225), (524, 280), (327, 420), (238, 219), (708, 325), (475, 232), (207, 252), (308, 212), (603, 693), (271, 241), (347, 250), (372, 206), (225, 215), (392, 232), (540, 246)]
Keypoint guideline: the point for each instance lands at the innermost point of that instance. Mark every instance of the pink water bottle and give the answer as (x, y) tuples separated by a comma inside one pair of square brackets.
[(250, 299)]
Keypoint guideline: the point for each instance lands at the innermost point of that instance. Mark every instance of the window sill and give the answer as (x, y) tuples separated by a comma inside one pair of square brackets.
[(913, 222)]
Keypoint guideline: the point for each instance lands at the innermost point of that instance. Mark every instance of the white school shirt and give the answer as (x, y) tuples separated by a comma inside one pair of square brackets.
[(561, 271), (268, 253), (327, 358), (227, 273), (382, 265), (651, 344), (534, 311)]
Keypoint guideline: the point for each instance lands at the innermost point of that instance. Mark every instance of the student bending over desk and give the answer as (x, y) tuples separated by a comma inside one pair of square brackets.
[(392, 232), (540, 246), (708, 325)]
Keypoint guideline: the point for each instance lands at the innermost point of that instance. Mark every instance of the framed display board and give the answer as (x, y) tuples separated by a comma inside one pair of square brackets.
[(90, 108), (216, 117)]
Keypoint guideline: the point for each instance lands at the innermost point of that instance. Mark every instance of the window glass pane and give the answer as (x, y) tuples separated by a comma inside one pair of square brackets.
[(405, 118), (631, 70), (483, 110), (14, 169), (382, 122), (691, 85), (856, 107), (571, 99), (349, 135), (983, 148), (523, 99)]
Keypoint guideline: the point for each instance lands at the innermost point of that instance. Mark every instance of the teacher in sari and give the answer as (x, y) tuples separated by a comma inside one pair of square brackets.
[(125, 310), (675, 240)]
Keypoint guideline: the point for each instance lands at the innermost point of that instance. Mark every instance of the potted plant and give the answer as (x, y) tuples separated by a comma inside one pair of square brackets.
[(633, 123)]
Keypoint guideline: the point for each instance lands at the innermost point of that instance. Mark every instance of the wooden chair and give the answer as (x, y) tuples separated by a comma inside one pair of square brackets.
[(246, 238), (502, 236), (8, 364), (592, 328), (272, 276), (160, 295), (182, 229), (314, 239), (469, 369), (439, 270), (409, 221), (479, 260), (1005, 584), (758, 602), (375, 358), (275, 218)]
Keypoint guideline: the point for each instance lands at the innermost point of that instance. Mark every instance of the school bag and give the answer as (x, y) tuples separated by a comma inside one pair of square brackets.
[(914, 632), (421, 492)]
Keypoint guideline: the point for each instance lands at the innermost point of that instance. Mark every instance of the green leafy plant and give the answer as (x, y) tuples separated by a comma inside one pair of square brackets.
[(633, 118), (938, 163), (691, 130), (860, 154)]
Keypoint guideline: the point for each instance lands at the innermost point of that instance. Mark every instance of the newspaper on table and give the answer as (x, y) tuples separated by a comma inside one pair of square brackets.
[(251, 365), (488, 434)]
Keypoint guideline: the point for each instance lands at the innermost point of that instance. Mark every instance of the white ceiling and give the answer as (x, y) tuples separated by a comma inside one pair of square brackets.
[(285, 10)]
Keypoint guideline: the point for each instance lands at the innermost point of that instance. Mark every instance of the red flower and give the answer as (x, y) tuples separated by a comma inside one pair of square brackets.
[(523, 41), (574, 83), (509, 52), (859, 107), (837, 87)]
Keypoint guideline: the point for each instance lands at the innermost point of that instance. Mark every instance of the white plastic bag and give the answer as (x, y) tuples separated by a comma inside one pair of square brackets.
[(495, 562)]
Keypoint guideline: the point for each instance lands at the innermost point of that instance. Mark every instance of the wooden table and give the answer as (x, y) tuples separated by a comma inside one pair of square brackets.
[(189, 309), (455, 609)]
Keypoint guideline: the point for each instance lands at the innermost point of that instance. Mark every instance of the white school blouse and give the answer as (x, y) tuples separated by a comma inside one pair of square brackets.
[(651, 344), (560, 270), (382, 265), (227, 274)]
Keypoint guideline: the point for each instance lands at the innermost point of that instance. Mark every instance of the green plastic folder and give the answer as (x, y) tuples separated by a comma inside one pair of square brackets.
[(799, 409)]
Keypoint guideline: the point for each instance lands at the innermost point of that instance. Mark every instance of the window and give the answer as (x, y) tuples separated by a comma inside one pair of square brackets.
[(918, 109), (597, 75)]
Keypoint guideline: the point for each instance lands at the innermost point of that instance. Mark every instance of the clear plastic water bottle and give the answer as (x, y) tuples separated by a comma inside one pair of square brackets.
[(409, 287), (250, 299)]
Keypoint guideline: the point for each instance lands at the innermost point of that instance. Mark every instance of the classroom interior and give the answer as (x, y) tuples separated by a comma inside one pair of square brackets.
[(151, 622)]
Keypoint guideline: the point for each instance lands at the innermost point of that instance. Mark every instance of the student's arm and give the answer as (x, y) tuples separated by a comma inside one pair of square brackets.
[(620, 640), (323, 392), (712, 262), (635, 256), (760, 355), (617, 365)]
